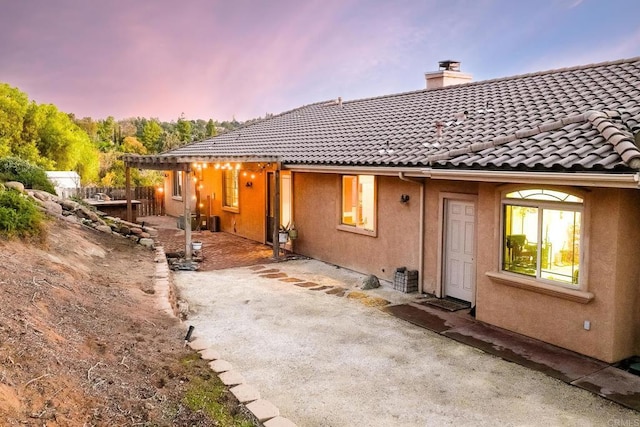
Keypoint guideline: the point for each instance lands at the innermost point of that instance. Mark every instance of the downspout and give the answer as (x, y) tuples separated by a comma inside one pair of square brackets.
[(421, 228)]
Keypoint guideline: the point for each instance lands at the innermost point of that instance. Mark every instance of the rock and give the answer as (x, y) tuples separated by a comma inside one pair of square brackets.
[(52, 207), (146, 242), (15, 185), (69, 205), (137, 231), (144, 235), (82, 213), (123, 229), (40, 195), (370, 282), (104, 229)]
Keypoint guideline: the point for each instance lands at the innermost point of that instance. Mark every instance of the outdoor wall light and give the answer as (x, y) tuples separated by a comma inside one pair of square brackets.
[(404, 198)]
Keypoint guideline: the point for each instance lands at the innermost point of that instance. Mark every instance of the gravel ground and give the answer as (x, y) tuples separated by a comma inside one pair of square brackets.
[(327, 360)]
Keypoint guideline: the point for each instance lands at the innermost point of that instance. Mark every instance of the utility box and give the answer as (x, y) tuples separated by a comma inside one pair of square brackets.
[(194, 222), (214, 223), (405, 280)]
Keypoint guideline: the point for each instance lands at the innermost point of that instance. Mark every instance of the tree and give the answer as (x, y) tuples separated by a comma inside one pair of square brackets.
[(130, 144), (211, 129), (183, 127), (13, 107), (107, 133), (151, 133)]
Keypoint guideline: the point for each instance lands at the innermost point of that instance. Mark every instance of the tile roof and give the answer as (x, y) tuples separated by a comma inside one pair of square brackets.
[(583, 118)]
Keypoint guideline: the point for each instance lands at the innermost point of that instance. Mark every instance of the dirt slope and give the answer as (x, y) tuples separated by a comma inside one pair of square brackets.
[(81, 342)]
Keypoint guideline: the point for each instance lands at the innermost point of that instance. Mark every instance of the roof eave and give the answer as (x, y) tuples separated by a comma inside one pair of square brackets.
[(163, 162)]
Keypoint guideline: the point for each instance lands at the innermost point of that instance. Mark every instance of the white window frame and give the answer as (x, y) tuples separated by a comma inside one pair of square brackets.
[(541, 205)]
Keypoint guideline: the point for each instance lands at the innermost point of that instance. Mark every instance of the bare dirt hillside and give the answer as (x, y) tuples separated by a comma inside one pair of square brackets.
[(81, 342)]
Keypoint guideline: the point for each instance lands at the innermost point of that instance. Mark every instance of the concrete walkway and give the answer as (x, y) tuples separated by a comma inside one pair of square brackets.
[(303, 336)]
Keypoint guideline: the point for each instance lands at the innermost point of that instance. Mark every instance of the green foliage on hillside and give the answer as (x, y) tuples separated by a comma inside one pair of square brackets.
[(32, 176), (44, 136), (54, 140), (19, 216)]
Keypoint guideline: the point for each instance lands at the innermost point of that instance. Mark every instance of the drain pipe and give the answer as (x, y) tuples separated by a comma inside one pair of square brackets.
[(420, 182)]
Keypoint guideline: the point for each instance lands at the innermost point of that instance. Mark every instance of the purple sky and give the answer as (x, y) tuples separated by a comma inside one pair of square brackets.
[(244, 58)]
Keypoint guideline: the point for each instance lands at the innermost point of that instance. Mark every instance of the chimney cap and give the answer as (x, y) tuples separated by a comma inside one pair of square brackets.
[(449, 65)]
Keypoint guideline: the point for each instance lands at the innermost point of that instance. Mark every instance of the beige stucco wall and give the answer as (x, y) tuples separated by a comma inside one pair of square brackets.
[(612, 277), (317, 216), (248, 221)]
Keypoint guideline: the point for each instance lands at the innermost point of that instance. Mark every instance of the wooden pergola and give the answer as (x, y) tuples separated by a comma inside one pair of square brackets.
[(185, 164)]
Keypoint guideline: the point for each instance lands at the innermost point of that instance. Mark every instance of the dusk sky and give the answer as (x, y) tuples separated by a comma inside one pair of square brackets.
[(245, 58)]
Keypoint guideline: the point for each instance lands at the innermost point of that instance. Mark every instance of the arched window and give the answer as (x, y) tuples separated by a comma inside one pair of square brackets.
[(541, 235)]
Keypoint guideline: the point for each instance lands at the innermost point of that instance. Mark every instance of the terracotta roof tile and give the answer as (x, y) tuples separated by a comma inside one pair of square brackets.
[(579, 118)]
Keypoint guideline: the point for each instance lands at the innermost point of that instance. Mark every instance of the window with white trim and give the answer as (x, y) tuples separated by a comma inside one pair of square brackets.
[(541, 235), (230, 187), (358, 201), (176, 186)]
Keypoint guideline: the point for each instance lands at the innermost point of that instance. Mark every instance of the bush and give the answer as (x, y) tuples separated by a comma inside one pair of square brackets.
[(19, 215), (15, 169)]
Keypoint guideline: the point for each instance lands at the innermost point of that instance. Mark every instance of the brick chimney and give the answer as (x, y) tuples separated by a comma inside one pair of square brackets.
[(447, 75)]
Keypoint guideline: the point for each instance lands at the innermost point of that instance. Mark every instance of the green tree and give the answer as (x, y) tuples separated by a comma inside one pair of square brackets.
[(211, 129), (64, 143), (107, 133), (183, 127), (13, 107), (151, 136)]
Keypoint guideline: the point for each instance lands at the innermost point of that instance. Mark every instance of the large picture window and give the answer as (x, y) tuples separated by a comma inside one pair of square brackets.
[(176, 187), (358, 201), (541, 235), (230, 178)]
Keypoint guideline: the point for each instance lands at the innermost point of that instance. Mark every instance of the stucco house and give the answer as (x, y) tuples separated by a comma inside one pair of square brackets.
[(519, 195)]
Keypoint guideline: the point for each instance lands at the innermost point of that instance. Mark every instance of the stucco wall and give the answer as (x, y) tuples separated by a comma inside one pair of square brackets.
[(612, 278), (317, 216), (627, 298), (248, 222)]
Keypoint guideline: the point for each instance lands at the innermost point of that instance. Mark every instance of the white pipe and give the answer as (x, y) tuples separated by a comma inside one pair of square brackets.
[(402, 176)]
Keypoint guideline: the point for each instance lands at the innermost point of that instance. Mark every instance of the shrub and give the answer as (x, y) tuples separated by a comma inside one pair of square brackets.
[(15, 169), (19, 215)]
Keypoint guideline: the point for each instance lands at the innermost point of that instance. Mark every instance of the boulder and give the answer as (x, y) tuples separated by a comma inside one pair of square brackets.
[(15, 185), (52, 207), (146, 242), (104, 228), (137, 231), (123, 229), (370, 282), (69, 205), (40, 195)]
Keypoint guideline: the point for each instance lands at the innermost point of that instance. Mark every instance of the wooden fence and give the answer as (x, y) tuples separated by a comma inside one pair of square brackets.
[(151, 200)]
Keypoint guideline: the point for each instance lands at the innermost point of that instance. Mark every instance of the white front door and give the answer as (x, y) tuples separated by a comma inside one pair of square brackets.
[(459, 249)]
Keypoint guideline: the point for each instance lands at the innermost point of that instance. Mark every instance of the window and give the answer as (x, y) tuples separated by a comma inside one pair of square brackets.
[(541, 235), (358, 201), (177, 184), (230, 187)]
